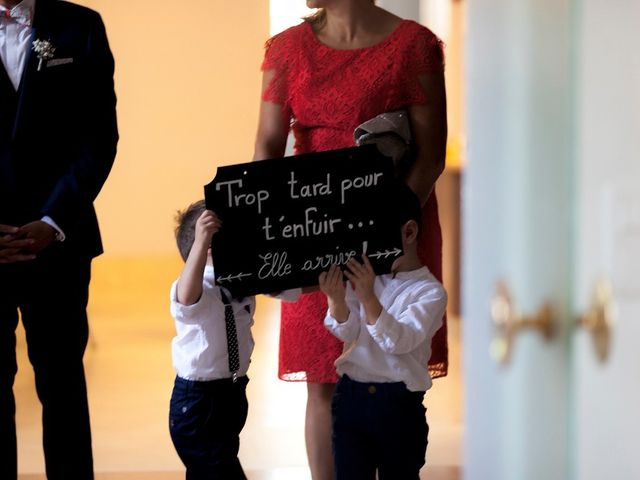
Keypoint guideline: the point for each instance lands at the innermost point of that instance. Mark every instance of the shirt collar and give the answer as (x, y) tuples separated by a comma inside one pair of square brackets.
[(417, 273)]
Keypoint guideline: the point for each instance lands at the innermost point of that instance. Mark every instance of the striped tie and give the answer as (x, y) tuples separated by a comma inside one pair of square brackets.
[(232, 336)]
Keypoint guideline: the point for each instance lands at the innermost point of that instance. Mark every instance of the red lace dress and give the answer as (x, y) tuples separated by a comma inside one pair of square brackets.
[(327, 93)]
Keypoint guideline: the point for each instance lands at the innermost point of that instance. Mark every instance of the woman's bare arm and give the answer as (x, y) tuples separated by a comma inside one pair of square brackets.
[(429, 129), (273, 126)]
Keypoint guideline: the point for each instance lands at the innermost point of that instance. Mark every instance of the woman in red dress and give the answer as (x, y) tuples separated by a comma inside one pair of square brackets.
[(342, 66)]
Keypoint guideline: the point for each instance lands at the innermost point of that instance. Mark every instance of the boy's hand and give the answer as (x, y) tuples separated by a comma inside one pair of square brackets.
[(332, 285), (190, 282), (206, 226), (362, 278)]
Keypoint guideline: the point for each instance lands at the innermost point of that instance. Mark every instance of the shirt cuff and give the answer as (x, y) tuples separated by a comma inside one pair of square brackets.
[(60, 236), (338, 328), (378, 329)]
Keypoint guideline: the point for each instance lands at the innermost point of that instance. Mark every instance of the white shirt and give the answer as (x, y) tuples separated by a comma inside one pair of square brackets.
[(199, 349), (398, 346), (15, 41)]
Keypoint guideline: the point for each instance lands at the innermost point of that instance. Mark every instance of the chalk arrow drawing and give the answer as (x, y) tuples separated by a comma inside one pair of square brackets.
[(387, 253), (231, 278)]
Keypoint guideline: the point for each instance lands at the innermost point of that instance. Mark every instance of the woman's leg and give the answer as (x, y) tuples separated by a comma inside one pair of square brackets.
[(318, 430)]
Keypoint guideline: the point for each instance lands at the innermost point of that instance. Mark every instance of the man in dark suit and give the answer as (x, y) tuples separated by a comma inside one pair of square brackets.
[(58, 137)]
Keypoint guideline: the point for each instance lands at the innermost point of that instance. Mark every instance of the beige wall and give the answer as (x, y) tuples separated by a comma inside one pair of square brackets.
[(188, 85), (455, 88)]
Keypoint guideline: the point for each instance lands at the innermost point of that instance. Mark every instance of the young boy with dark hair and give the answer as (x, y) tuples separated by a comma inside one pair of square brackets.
[(387, 323), (211, 355)]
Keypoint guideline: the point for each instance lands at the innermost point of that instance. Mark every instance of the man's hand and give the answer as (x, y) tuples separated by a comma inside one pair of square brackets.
[(41, 233), (12, 247)]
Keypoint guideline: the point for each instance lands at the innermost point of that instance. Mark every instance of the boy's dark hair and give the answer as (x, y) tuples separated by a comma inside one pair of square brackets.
[(186, 227), (406, 204)]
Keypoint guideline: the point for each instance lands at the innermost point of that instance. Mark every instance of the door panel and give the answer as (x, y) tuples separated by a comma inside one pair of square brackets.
[(517, 212), (551, 204), (607, 395)]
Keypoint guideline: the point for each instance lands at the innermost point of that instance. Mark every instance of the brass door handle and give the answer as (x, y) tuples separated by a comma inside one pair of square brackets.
[(508, 321), (598, 319)]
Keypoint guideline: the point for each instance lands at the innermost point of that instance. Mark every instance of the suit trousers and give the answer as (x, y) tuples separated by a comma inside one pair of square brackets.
[(51, 294), (205, 421), (378, 427)]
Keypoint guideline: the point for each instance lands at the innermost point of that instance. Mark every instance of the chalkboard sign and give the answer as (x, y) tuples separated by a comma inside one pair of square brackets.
[(286, 220)]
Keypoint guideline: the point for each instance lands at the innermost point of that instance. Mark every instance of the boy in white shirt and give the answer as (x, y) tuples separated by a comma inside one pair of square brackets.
[(387, 323), (208, 403)]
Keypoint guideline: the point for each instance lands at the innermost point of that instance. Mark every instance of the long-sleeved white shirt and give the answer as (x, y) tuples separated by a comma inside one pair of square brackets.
[(398, 346), (199, 349)]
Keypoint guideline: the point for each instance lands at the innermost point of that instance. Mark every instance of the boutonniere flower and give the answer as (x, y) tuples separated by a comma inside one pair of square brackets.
[(44, 50)]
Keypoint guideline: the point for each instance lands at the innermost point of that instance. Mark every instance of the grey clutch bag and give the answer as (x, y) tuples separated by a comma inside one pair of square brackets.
[(391, 133)]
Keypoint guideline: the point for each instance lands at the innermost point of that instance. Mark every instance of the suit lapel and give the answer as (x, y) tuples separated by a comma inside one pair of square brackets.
[(41, 30)]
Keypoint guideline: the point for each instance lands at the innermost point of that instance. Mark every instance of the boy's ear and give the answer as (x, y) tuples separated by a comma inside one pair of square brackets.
[(410, 231)]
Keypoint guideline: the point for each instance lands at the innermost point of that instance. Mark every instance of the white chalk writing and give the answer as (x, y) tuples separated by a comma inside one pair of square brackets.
[(236, 199)]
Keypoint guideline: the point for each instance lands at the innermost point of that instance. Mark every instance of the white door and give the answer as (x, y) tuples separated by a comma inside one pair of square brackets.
[(551, 204), (606, 396)]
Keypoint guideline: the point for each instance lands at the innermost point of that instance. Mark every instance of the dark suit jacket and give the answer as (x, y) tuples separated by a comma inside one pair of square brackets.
[(58, 133)]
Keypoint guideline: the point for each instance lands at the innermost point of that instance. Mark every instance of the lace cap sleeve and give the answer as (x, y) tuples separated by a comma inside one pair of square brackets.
[(425, 55), (277, 57)]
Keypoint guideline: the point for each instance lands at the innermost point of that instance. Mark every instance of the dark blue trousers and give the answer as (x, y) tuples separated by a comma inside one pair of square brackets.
[(378, 427), (51, 294), (205, 421)]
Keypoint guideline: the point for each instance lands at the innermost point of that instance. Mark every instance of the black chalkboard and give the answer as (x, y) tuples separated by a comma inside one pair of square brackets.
[(286, 220)]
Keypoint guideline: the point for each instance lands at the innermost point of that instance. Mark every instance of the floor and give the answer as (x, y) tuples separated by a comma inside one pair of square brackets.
[(129, 374)]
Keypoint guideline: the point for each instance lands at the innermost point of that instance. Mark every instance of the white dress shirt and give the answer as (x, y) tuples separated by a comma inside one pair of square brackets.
[(199, 349), (15, 40), (398, 346)]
